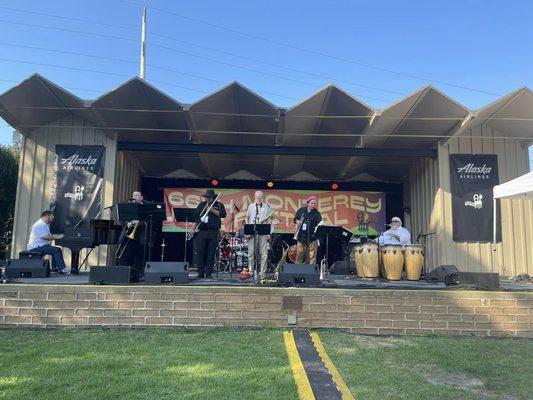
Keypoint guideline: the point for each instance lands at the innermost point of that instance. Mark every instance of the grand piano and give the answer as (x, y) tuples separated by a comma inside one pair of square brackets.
[(88, 235)]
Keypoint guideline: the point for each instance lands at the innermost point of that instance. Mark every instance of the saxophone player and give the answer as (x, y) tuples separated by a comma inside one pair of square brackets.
[(259, 212), (307, 219), (208, 226)]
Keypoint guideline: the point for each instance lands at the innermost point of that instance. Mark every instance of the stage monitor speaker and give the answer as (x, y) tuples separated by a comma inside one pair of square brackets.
[(438, 274), (299, 274), (27, 268), (343, 267), (481, 280), (115, 274), (166, 272)]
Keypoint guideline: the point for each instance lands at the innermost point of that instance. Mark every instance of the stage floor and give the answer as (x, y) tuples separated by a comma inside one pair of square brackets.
[(334, 281)]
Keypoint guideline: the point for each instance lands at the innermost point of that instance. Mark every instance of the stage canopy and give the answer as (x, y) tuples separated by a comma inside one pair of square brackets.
[(234, 133)]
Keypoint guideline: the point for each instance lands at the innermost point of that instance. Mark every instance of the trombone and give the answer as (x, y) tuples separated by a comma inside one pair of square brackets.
[(127, 238), (195, 227)]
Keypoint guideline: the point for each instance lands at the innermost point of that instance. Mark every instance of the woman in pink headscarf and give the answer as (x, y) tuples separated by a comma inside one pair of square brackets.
[(307, 219)]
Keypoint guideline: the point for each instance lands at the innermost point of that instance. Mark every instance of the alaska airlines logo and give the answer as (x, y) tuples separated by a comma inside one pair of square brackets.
[(76, 162), (472, 171)]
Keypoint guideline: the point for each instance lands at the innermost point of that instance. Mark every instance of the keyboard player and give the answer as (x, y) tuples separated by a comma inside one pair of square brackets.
[(40, 238)]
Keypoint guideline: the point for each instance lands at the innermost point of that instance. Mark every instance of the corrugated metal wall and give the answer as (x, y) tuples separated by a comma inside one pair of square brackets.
[(36, 169), (430, 199), (421, 194), (127, 176)]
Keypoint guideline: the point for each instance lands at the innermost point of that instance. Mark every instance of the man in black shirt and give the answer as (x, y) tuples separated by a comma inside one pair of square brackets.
[(307, 218), (205, 243)]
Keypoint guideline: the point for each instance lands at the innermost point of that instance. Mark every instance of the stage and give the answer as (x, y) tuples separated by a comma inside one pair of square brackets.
[(333, 282), (356, 305)]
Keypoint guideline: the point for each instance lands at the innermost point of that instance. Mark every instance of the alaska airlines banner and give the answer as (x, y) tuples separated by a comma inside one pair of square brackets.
[(77, 186), (360, 212), (472, 178)]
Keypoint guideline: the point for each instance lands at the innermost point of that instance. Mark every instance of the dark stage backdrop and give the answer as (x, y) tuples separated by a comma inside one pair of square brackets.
[(77, 189), (472, 178)]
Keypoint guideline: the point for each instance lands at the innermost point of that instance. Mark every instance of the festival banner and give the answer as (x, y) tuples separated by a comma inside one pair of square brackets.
[(472, 178), (363, 213), (77, 186)]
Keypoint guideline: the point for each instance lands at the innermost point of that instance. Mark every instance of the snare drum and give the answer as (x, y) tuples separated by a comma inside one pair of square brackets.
[(392, 259), (369, 260), (414, 260)]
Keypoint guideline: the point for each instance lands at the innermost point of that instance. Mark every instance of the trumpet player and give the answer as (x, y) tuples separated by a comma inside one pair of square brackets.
[(133, 251), (307, 219), (208, 226)]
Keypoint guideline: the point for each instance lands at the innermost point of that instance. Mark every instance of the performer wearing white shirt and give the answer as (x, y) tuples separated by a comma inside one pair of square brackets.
[(258, 212), (40, 238), (397, 234)]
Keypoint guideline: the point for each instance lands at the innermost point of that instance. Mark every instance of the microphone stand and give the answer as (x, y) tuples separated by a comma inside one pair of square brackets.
[(255, 243)]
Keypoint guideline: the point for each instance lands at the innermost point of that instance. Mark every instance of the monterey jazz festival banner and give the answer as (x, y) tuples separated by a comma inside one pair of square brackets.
[(360, 212)]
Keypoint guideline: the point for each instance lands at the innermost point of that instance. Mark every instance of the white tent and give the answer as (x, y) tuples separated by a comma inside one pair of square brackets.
[(519, 188)]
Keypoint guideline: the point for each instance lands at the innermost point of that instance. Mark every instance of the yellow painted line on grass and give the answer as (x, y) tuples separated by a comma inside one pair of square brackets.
[(337, 378), (305, 392)]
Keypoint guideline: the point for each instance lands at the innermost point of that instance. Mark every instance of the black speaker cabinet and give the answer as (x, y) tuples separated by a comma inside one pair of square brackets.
[(343, 267), (438, 274), (166, 272), (27, 268), (115, 274), (299, 274), (481, 280)]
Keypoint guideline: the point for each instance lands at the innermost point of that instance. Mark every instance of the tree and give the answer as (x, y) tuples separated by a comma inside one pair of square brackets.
[(9, 159)]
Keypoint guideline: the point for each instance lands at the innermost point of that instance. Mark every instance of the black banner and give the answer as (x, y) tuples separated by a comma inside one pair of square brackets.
[(472, 178), (78, 178)]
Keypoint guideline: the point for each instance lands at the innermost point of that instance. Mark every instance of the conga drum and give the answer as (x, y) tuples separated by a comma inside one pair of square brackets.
[(414, 260), (358, 259), (392, 257), (369, 260)]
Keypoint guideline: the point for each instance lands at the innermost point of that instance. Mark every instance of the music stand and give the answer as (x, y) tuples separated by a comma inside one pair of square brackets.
[(150, 212), (336, 232), (185, 215), (255, 230)]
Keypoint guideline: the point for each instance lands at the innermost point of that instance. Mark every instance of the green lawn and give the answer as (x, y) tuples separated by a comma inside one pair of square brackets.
[(144, 364), (229, 363), (432, 368)]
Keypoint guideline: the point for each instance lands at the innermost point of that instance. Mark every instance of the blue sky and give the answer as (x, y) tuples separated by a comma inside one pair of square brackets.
[(480, 44)]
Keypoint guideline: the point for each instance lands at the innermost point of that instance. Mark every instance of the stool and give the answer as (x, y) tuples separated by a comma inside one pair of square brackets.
[(30, 254)]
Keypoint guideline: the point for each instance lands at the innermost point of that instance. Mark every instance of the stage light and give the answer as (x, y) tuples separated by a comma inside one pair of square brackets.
[(214, 182), (270, 184), (334, 186)]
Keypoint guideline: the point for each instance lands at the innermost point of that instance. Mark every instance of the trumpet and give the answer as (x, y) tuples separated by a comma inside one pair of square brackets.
[(196, 227)]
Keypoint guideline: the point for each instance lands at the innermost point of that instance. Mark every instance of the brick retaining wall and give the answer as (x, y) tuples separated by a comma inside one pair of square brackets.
[(368, 311)]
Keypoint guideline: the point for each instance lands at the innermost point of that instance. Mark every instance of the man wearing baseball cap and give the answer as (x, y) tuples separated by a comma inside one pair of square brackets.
[(397, 234), (307, 219)]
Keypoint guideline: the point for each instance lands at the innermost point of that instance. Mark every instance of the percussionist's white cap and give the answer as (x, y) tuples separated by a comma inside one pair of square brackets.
[(396, 219)]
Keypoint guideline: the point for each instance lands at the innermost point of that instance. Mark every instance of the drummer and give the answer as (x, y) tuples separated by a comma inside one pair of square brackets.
[(396, 235)]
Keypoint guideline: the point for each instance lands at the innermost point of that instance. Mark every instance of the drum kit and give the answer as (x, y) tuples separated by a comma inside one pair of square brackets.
[(389, 261), (232, 253)]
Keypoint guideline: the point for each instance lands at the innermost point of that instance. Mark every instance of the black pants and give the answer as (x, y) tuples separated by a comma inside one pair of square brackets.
[(133, 256), (205, 246)]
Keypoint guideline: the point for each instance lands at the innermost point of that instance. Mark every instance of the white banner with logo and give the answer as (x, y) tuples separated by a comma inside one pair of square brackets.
[(78, 181), (472, 178)]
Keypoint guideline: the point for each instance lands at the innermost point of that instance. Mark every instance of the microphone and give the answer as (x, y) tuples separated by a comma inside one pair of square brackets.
[(418, 237)]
